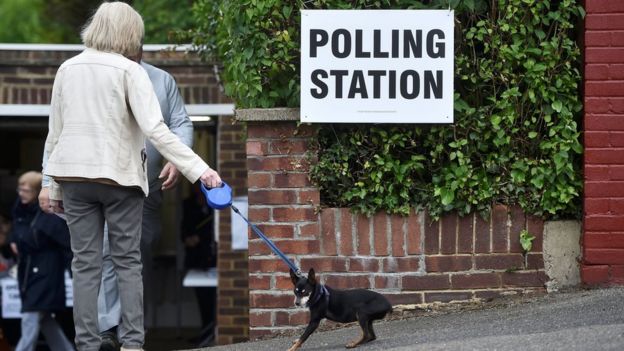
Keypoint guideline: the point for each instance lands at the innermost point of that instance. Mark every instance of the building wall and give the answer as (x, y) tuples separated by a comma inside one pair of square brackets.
[(26, 77), (603, 222), (411, 259)]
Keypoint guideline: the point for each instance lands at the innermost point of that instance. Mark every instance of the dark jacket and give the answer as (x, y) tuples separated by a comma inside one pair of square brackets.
[(197, 220), (44, 251)]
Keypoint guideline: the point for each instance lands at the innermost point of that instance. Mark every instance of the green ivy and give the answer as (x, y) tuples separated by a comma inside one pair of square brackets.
[(515, 139)]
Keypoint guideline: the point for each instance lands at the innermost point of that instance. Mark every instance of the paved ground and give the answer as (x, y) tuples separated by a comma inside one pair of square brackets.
[(581, 320)]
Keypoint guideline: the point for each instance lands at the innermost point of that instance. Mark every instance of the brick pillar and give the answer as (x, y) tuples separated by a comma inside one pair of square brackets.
[(233, 296), (603, 212)]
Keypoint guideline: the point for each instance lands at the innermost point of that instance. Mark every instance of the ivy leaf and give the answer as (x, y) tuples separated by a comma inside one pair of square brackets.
[(526, 240), (557, 105)]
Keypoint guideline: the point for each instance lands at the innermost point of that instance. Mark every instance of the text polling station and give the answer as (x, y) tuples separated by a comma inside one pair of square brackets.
[(377, 66)]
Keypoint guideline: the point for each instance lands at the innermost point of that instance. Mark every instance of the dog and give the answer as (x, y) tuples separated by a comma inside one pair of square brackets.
[(343, 306)]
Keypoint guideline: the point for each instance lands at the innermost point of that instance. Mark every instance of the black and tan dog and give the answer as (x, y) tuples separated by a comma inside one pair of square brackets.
[(343, 306)]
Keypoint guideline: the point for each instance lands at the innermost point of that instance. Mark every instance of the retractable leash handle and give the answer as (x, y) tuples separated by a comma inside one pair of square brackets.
[(221, 198)]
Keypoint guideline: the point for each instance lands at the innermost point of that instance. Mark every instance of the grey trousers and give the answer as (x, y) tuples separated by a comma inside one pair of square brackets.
[(32, 323), (109, 308), (88, 206)]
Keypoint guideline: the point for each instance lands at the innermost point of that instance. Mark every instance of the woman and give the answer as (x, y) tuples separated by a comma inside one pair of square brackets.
[(103, 106), (42, 246)]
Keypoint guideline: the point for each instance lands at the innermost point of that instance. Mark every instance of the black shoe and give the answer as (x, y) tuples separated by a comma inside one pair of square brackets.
[(109, 342)]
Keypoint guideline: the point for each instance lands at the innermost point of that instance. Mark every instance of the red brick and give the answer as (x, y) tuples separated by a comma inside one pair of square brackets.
[(309, 197), (259, 282), (593, 39), (259, 180), (279, 163), (595, 105), (604, 21), (596, 206), (413, 234), (616, 72), (401, 264), (606, 122), (593, 173), (535, 261), (448, 238), (616, 139), (257, 148), (328, 231), (364, 265), (257, 265), (387, 282), (272, 197), (604, 54), (603, 256), (380, 234), (346, 233), (262, 300), (596, 71), (603, 240), (397, 235), (283, 282), (603, 6), (291, 318), (324, 264), (616, 172), (475, 281), (482, 234), (448, 263), (259, 319), (604, 88), (275, 230), (432, 235), (309, 230), (594, 275), (363, 235), (465, 234), (291, 180), (524, 279), (298, 247), (617, 275), (535, 227), (404, 298), (259, 214), (604, 223), (604, 156), (616, 105), (258, 247), (518, 223), (427, 282), (447, 296), (288, 147), (296, 214), (348, 281), (499, 262), (500, 237)]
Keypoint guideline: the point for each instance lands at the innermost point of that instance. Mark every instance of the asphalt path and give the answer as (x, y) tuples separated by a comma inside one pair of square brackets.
[(579, 320)]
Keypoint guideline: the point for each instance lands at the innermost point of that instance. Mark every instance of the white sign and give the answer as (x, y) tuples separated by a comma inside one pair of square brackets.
[(239, 226), (11, 301), (377, 66)]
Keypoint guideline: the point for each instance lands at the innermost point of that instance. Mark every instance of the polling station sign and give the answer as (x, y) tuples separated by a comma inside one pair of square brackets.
[(377, 66)]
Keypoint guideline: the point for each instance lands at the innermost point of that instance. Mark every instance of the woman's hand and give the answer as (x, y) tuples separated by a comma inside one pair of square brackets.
[(44, 200), (210, 178)]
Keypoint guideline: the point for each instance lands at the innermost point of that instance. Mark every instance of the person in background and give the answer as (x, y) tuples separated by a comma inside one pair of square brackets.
[(200, 252), (103, 106), (178, 121), (42, 246), (10, 326)]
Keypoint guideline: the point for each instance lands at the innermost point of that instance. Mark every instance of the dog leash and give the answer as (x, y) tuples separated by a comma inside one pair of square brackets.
[(323, 293), (221, 197)]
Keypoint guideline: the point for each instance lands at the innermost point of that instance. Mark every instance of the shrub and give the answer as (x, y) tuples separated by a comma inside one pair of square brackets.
[(515, 139)]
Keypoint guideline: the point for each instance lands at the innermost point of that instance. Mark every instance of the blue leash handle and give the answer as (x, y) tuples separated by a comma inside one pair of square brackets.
[(270, 244)]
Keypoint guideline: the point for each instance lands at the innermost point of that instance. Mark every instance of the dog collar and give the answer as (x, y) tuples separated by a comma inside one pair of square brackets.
[(322, 293)]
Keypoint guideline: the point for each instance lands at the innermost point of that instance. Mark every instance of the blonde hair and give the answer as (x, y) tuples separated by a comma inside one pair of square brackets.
[(115, 27), (32, 179)]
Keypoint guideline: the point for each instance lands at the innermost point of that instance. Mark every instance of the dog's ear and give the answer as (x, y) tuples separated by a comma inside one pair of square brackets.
[(312, 276), (293, 277)]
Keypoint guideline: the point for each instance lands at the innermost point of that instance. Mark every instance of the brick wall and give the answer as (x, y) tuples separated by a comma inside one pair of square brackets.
[(603, 223), (26, 76), (233, 300), (410, 259)]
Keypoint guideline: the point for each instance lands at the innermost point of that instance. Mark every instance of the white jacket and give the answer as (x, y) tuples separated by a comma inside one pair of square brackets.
[(103, 105)]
